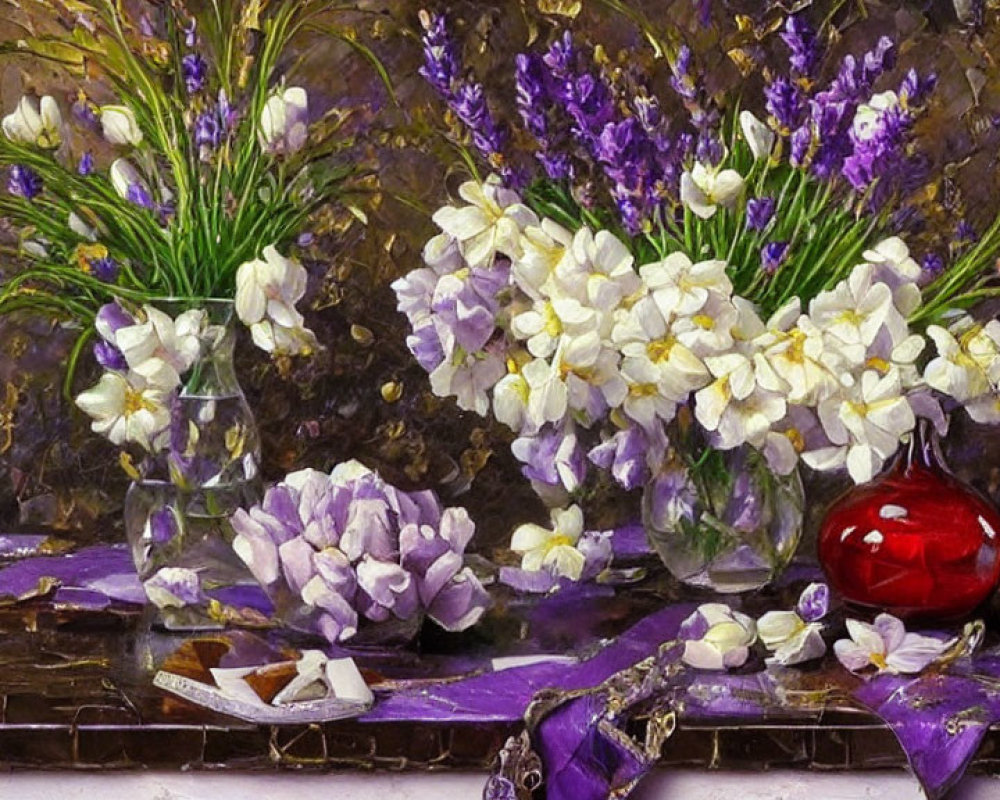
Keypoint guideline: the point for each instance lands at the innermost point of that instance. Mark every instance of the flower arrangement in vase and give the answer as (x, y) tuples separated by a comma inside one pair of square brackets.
[(155, 219), (693, 298)]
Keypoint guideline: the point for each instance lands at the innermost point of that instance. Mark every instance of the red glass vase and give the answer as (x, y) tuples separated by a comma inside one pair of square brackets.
[(916, 541)]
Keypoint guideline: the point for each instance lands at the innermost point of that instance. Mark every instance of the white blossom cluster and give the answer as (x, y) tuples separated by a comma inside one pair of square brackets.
[(557, 330)]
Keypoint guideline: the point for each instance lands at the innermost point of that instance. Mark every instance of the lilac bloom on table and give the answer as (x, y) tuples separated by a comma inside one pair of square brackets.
[(887, 646), (716, 637), (795, 637)]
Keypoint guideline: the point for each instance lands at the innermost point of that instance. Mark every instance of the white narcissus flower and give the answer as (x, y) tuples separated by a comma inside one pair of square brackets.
[(601, 273), (856, 311), (967, 367), (552, 550), (757, 135), (739, 406), (31, 123), (161, 349), (120, 125), (546, 321), (717, 637), (469, 378), (267, 290), (545, 249), (888, 647), (704, 189), (492, 222), (124, 175), (895, 267), (126, 409), (795, 636), (865, 424), (284, 121), (681, 288)]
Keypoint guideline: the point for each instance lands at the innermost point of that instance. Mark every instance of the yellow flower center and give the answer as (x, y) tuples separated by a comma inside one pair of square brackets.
[(135, 402), (659, 350), (797, 439), (879, 364), (703, 321), (643, 390), (878, 660), (850, 317), (553, 325), (84, 254), (796, 352), (559, 540)]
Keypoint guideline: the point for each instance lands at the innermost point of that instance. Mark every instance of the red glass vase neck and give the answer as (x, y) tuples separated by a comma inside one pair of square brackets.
[(916, 541)]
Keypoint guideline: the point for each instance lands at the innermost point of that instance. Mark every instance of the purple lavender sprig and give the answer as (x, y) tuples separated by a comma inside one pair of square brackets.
[(466, 99), (806, 53), (24, 182), (534, 99)]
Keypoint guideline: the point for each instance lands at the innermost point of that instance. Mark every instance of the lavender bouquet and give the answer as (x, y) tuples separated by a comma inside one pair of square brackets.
[(697, 301)]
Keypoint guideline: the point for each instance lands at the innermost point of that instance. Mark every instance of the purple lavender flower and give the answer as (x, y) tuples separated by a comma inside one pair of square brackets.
[(139, 195), (104, 269), (704, 8), (86, 165), (109, 356), (760, 211), (932, 265), (207, 130), (24, 182), (488, 136), (772, 256), (915, 89), (85, 111), (785, 104), (561, 57), (194, 68), (800, 38), (533, 102), (441, 65), (683, 81)]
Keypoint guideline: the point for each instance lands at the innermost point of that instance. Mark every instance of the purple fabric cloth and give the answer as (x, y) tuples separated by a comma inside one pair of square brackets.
[(107, 569)]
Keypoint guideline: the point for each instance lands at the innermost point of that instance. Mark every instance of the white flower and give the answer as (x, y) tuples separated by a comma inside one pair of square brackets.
[(510, 402), (468, 377), (161, 349), (545, 249), (548, 397), (124, 175), (895, 267), (866, 118), (856, 311), (120, 126), (888, 647), (792, 640), (601, 273), (963, 367), (284, 121), (757, 135), (492, 222), (283, 340), (267, 290), (543, 324), (720, 637), (738, 405), (681, 288), (803, 358), (81, 228), (590, 370), (710, 331), (270, 287), (703, 189), (795, 636), (552, 550), (126, 409), (30, 124), (865, 424)]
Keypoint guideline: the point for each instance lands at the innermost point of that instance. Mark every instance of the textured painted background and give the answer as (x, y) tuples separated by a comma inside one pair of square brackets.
[(53, 472)]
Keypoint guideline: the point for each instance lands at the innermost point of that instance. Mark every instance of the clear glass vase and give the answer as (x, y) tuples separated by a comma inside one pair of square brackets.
[(206, 466), (724, 520)]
